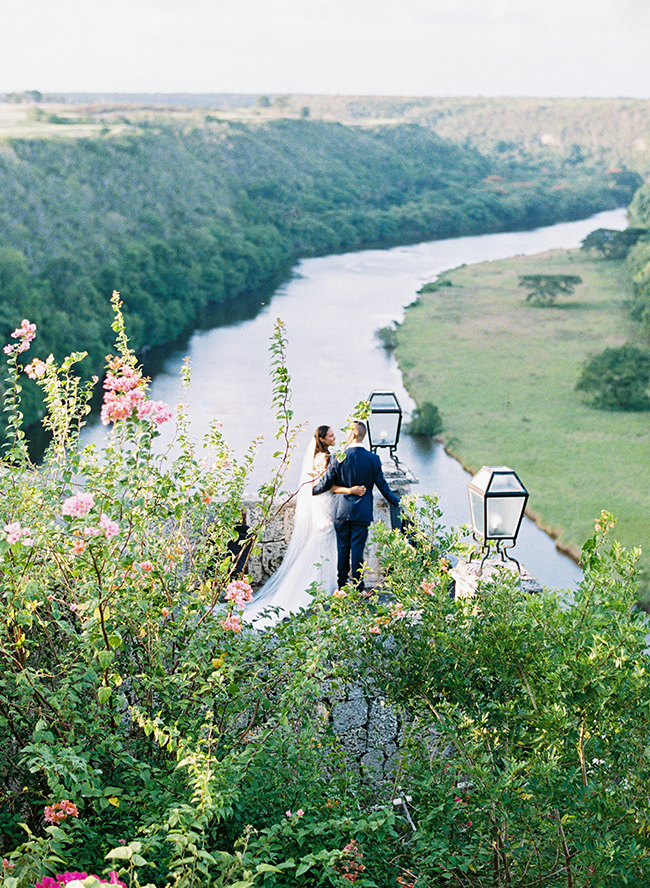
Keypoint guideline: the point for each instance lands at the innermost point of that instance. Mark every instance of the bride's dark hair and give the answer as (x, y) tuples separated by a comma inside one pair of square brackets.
[(319, 435)]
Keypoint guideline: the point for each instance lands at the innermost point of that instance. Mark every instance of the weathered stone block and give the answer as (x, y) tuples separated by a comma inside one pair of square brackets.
[(348, 715)]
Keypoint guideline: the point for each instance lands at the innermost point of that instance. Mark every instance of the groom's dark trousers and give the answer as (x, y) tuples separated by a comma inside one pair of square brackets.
[(353, 514)]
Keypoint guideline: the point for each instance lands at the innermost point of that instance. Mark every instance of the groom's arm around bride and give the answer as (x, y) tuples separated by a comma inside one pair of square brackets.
[(353, 514)]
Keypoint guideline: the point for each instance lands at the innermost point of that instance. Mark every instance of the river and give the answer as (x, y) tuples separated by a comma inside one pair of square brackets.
[(332, 308)]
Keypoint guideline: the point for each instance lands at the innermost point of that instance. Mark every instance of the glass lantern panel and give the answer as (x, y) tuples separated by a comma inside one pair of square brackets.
[(505, 481), (503, 515), (383, 428), (383, 401), (481, 479), (476, 511)]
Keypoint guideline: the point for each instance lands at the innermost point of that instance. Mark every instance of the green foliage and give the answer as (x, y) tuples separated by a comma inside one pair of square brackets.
[(163, 741), (425, 420), (194, 225), (612, 244), (388, 336), (434, 286), (617, 379), (638, 261), (526, 740), (545, 288)]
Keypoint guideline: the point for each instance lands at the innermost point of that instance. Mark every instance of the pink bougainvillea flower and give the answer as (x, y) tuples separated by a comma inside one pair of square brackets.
[(239, 591), (13, 532), (60, 811), (37, 368), (427, 588), (146, 566), (339, 593), (26, 333), (16, 533), (233, 623), (110, 527), (78, 505), (374, 629), (76, 880), (160, 412), (125, 396)]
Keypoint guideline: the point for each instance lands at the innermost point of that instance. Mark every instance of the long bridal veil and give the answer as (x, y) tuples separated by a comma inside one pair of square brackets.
[(310, 557)]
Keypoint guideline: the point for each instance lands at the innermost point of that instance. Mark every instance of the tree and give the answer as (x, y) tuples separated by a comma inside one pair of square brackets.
[(612, 244), (545, 288), (425, 420), (617, 379)]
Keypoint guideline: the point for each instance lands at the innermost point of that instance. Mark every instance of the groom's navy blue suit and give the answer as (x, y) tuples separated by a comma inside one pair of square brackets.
[(353, 514)]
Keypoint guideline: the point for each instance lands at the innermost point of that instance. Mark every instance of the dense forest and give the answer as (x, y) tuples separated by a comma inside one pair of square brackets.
[(193, 222)]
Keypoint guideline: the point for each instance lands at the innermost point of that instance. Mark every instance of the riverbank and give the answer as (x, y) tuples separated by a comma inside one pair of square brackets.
[(503, 374)]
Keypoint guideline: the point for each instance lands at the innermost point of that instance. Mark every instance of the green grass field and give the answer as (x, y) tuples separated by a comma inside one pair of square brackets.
[(503, 373)]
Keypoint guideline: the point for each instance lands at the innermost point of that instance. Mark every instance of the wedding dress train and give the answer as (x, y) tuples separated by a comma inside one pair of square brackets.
[(310, 557)]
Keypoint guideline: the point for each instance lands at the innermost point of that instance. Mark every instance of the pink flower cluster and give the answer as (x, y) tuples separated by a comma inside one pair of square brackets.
[(110, 527), (427, 588), (78, 505), (232, 623), (26, 333), (59, 811), (398, 612), (351, 866), (239, 591), (75, 880), (15, 533), (37, 368), (299, 813), (125, 397)]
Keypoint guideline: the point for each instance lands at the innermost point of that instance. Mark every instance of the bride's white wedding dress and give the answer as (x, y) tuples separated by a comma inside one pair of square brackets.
[(310, 557)]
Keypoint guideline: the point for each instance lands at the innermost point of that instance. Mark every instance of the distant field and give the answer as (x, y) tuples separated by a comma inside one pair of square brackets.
[(502, 373)]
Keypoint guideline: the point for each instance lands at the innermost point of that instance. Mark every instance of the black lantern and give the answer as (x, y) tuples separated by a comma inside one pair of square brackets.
[(384, 422), (497, 501)]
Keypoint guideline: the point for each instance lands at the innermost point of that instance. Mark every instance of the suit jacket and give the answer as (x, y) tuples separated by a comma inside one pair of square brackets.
[(360, 466)]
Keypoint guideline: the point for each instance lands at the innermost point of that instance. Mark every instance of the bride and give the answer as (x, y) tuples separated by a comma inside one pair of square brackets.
[(311, 554)]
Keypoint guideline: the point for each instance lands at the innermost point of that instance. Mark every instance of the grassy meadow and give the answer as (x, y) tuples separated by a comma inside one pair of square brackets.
[(503, 374)]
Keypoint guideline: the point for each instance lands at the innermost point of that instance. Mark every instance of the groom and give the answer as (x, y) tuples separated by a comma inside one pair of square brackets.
[(353, 514)]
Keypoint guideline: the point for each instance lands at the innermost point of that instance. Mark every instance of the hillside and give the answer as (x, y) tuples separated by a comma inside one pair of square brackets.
[(611, 131), (197, 223)]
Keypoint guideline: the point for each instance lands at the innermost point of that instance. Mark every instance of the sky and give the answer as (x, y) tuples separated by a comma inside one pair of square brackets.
[(347, 47)]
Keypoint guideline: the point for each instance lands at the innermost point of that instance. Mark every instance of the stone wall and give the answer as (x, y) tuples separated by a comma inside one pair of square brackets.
[(278, 531)]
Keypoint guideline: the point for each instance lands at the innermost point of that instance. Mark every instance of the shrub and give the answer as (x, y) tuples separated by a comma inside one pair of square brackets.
[(145, 733), (388, 337), (617, 379), (425, 420)]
